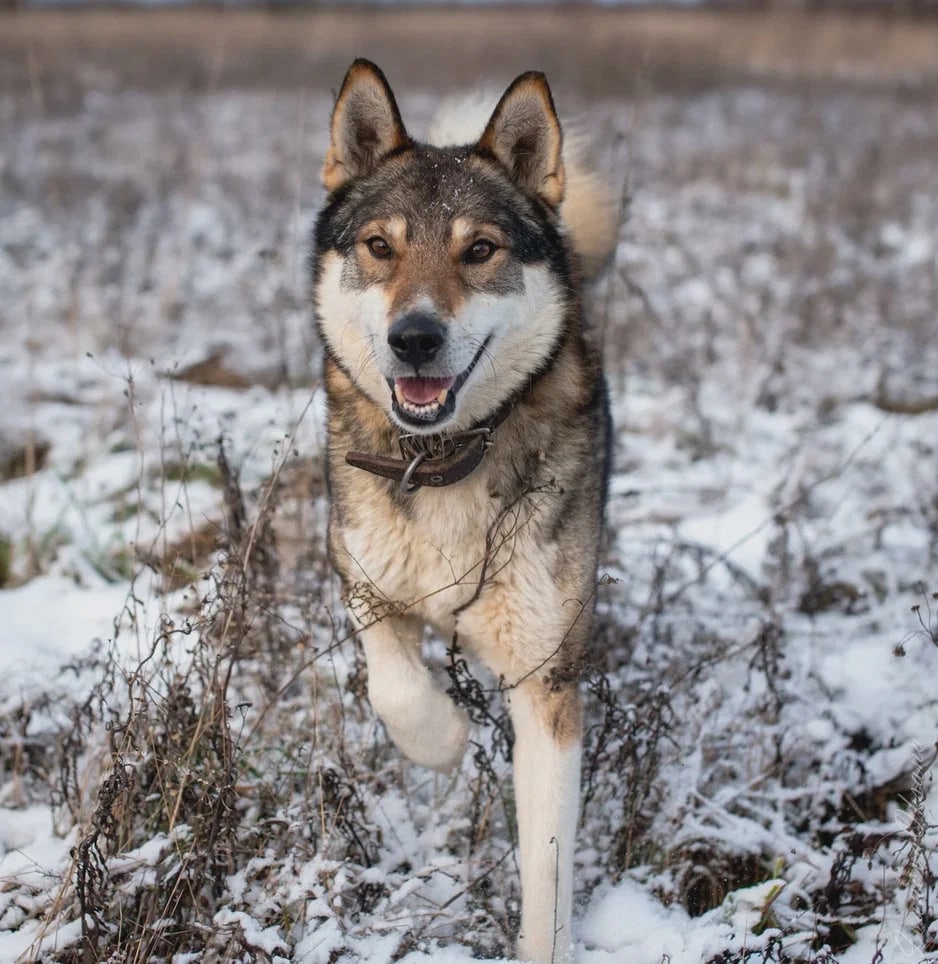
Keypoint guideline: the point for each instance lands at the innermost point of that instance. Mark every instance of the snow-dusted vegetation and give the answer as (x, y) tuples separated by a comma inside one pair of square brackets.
[(190, 769)]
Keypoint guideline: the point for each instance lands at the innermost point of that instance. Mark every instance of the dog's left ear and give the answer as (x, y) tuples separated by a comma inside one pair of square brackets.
[(525, 137), (366, 125)]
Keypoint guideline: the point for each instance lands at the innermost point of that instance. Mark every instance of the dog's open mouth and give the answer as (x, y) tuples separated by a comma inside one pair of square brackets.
[(423, 398), (428, 401)]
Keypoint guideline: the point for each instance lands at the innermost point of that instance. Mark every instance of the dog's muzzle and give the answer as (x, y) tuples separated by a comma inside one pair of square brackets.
[(424, 401)]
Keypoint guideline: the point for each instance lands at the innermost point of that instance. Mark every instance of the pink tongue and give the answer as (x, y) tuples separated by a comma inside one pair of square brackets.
[(420, 391)]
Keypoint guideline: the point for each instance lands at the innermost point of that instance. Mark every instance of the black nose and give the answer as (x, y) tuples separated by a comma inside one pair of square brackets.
[(416, 337)]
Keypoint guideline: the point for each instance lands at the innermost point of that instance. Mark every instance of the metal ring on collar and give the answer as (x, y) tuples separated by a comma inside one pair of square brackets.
[(406, 487)]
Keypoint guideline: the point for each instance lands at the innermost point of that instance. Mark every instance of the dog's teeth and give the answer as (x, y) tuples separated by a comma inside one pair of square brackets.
[(441, 398), (419, 409)]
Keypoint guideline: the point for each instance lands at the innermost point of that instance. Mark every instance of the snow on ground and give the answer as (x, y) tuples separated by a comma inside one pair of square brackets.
[(770, 709)]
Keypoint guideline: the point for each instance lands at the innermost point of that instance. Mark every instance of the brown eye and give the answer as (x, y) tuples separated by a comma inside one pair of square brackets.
[(379, 248), (479, 252)]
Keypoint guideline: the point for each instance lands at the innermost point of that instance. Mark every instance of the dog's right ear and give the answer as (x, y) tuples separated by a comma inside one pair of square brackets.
[(366, 125)]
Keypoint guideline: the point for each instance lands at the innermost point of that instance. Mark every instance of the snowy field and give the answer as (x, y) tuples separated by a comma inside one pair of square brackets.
[(190, 770)]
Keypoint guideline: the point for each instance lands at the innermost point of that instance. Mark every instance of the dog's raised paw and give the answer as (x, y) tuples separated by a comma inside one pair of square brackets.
[(436, 736)]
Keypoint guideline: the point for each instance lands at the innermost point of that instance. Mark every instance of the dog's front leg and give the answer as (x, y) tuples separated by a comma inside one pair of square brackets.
[(548, 727), (421, 719)]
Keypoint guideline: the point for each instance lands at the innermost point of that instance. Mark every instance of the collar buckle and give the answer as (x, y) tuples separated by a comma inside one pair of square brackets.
[(436, 449)]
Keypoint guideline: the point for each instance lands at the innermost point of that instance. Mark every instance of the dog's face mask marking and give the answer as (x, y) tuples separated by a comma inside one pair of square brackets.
[(436, 278)]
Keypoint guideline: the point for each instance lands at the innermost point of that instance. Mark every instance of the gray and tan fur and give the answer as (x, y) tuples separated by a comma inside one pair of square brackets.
[(447, 298)]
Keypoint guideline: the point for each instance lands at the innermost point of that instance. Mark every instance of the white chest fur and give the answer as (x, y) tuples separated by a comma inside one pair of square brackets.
[(429, 559)]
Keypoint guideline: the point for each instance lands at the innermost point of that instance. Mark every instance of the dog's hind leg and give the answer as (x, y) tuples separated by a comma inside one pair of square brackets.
[(421, 719), (548, 725)]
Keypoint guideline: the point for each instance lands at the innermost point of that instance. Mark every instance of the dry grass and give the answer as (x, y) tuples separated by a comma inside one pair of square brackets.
[(614, 51)]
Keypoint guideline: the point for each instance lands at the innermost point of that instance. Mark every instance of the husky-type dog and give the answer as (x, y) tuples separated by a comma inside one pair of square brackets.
[(467, 440)]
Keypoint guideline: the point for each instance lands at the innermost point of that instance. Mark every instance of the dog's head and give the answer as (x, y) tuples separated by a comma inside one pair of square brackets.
[(441, 279)]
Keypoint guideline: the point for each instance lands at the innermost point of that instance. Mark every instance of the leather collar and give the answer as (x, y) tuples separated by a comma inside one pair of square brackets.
[(431, 461)]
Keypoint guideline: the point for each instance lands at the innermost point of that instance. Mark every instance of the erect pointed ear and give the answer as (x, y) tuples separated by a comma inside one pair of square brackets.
[(366, 125), (524, 135)]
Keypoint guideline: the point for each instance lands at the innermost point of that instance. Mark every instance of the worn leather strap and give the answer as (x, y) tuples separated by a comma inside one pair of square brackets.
[(455, 456), (424, 469)]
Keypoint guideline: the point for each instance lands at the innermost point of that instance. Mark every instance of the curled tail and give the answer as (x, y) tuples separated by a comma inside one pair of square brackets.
[(590, 208)]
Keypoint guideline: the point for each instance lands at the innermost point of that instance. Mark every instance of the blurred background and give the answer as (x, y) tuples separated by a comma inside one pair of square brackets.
[(146, 139)]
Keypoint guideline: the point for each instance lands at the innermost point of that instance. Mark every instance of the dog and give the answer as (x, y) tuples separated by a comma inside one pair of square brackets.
[(468, 438)]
